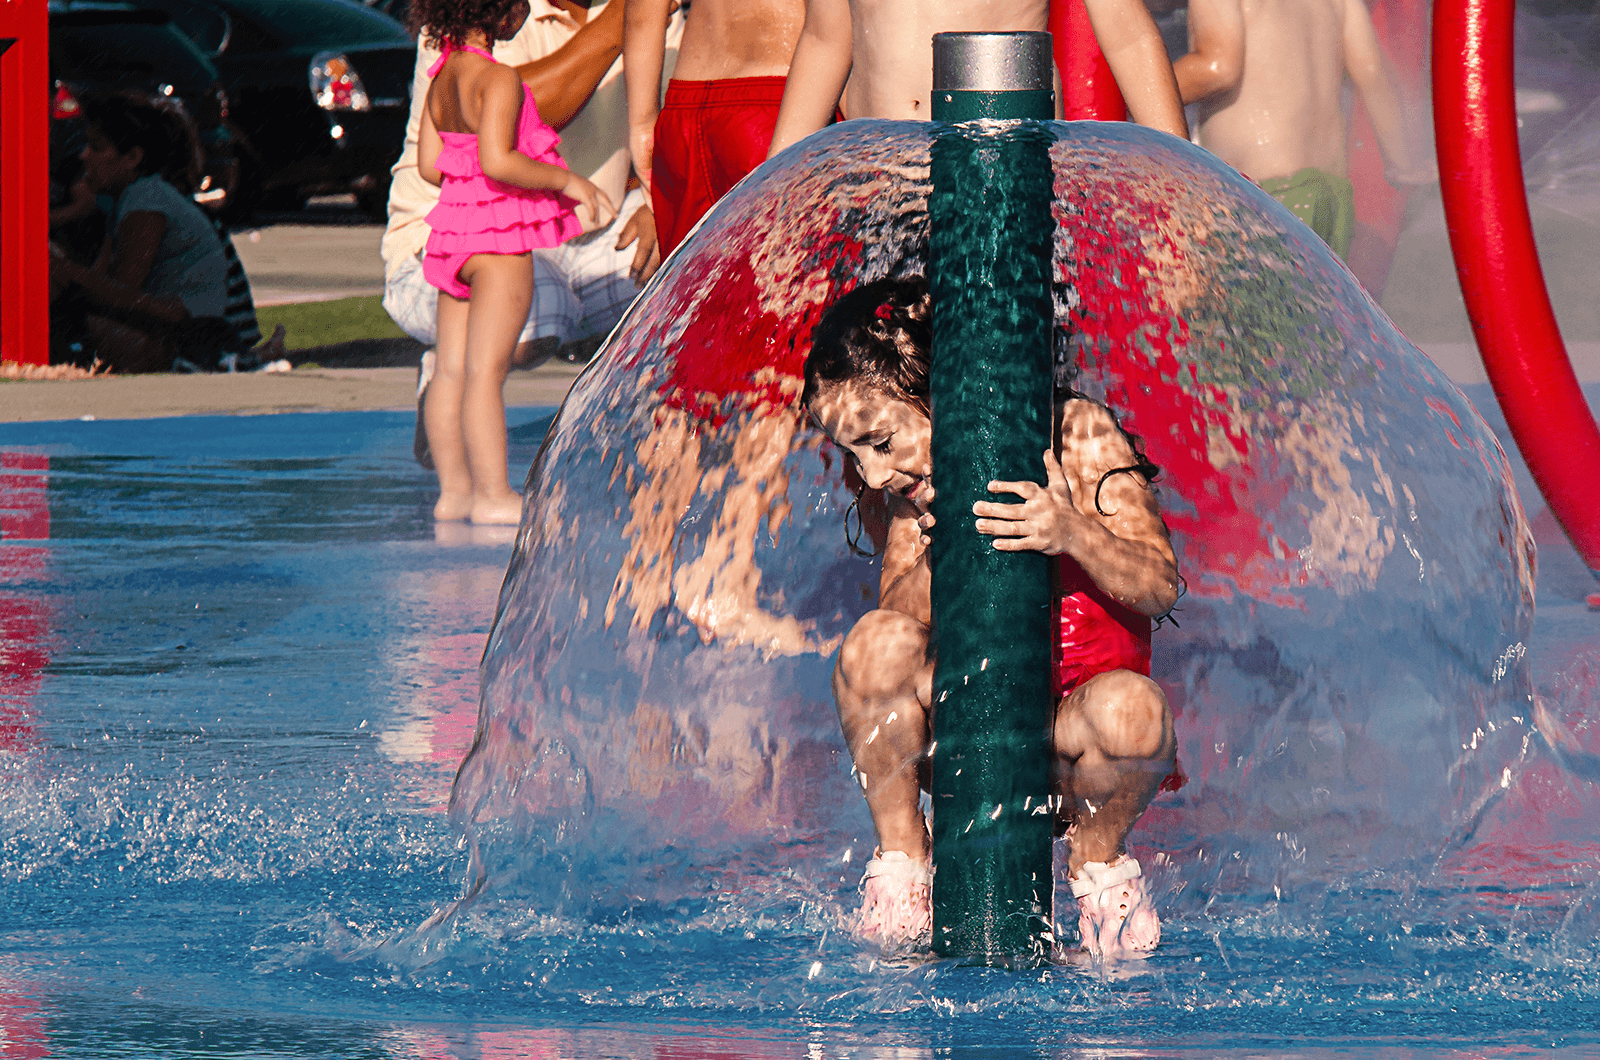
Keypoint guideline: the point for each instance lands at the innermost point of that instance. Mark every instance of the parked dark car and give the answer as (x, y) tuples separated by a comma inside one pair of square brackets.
[(118, 47), (320, 88)]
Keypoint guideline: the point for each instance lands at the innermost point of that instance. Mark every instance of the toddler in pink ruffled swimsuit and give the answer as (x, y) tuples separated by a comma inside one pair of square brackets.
[(503, 191)]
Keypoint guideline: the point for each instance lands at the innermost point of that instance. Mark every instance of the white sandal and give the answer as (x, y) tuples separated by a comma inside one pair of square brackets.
[(1115, 915), (897, 902)]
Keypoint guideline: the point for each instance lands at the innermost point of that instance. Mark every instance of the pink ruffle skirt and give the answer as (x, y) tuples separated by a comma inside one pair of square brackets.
[(479, 215)]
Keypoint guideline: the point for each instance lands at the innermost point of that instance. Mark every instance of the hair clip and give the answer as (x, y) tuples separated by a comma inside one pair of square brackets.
[(884, 311)]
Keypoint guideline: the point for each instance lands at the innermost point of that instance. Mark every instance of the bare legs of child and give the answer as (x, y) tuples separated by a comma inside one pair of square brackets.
[(464, 412), (1113, 741), (1114, 744)]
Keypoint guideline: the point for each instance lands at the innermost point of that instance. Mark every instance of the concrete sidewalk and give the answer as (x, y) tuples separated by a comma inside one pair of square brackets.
[(1464, 365), (137, 397), (308, 263)]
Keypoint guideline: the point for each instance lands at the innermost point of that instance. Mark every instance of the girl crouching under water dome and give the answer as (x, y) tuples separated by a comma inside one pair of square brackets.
[(866, 385)]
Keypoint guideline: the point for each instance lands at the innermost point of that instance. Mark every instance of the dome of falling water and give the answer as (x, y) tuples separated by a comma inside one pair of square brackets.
[(1347, 670)]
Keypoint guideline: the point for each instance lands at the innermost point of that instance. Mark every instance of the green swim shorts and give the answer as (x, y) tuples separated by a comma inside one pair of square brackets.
[(1325, 202)]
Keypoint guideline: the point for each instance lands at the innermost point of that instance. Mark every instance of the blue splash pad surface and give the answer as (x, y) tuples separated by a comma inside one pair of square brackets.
[(240, 669)]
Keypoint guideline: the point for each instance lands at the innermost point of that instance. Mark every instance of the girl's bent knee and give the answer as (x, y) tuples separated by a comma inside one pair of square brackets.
[(883, 653), (1129, 714)]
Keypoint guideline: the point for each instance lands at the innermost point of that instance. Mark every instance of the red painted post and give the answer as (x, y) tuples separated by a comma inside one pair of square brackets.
[(25, 182), (1088, 91), (1497, 262)]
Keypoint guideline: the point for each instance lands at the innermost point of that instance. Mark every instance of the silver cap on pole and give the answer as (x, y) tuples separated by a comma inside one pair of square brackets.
[(992, 62)]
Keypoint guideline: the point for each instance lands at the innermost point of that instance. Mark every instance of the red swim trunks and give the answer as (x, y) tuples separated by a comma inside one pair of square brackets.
[(708, 136)]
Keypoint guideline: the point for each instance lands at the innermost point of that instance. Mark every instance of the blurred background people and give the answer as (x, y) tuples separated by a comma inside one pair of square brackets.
[(1268, 76), (874, 59), (721, 105), (158, 290)]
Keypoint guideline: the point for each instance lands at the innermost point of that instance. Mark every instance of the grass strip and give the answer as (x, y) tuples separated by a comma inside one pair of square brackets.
[(308, 324)]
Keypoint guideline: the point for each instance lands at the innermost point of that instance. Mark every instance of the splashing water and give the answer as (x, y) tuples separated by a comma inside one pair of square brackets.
[(1349, 673), (223, 825)]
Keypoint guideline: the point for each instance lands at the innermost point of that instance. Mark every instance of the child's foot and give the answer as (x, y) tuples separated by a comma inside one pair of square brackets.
[(504, 511), (897, 902), (450, 509), (1115, 916), (273, 348)]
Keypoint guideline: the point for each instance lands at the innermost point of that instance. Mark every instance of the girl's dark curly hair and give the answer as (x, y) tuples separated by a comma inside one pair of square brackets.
[(160, 127), (441, 22), (882, 334)]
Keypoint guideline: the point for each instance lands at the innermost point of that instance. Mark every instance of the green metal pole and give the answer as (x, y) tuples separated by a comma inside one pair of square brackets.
[(989, 269)]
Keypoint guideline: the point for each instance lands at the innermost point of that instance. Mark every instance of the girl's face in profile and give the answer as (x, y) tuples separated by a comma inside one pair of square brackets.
[(889, 437), (511, 25), (105, 169)]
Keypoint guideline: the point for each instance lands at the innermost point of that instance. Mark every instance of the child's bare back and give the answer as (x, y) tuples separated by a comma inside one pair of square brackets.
[(456, 96), (1269, 75), (1285, 113)]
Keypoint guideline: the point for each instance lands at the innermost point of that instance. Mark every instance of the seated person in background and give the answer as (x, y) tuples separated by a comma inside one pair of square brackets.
[(716, 121), (866, 385), (184, 173), (1268, 76), (877, 57), (158, 289)]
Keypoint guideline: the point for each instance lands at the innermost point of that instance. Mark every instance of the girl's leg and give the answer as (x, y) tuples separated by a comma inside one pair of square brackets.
[(1113, 736), (441, 411), (881, 685), (502, 291)]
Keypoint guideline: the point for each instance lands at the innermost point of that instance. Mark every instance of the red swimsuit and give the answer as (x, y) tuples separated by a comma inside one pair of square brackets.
[(1097, 634)]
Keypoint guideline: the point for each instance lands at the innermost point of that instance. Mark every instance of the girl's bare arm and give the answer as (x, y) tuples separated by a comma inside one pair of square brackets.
[(497, 136), (906, 581), (429, 144), (102, 260), (138, 242), (1121, 542), (817, 74)]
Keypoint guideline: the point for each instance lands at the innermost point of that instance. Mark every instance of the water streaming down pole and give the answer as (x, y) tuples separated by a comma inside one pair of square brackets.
[(989, 272)]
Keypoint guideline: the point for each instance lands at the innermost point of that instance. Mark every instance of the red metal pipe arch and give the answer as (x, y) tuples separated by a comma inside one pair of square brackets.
[(1497, 262)]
